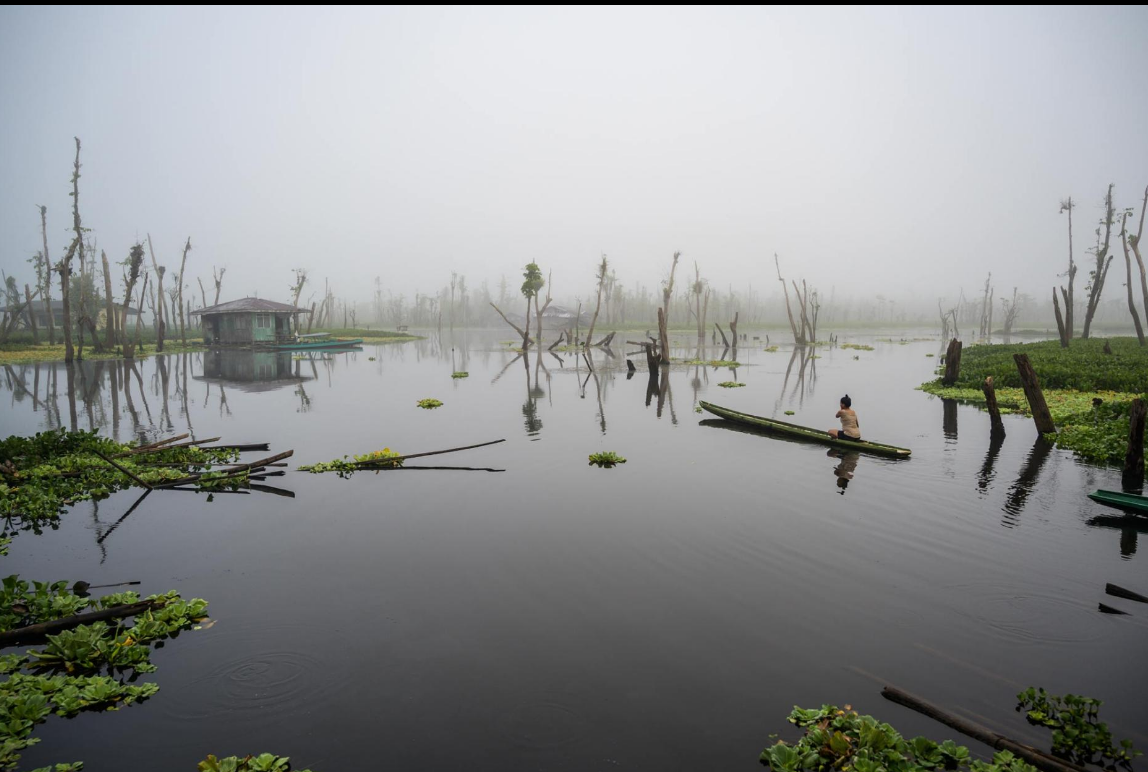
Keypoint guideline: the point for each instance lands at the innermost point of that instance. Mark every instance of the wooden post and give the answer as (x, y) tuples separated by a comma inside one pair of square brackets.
[(1034, 395), (991, 402), (1134, 458), (952, 362)]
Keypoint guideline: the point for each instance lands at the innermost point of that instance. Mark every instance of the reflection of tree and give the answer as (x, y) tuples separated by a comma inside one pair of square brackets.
[(1025, 482), (949, 420), (533, 392), (304, 400), (985, 476), (1128, 525)]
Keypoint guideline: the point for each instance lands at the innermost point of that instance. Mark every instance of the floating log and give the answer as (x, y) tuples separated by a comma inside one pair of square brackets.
[(168, 447), (991, 402), (1034, 395), (32, 632), (151, 445), (1037, 758), (125, 471), (234, 470), (1133, 476), (1110, 610), (952, 362), (241, 448), (1120, 592)]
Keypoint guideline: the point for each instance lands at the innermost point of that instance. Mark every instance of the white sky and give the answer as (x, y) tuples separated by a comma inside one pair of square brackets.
[(895, 150)]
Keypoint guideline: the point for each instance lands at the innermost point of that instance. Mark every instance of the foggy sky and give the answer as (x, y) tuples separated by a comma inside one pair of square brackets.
[(890, 150)]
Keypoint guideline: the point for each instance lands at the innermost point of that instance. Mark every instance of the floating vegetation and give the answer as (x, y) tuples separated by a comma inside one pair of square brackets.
[(429, 404), (697, 408), (1077, 732), (41, 475), (770, 349), (264, 762), (904, 341), (856, 357), (297, 357), (63, 675), (460, 375), (713, 362), (380, 459), (857, 346), (731, 385), (930, 355), (371, 359), (789, 412), (606, 459)]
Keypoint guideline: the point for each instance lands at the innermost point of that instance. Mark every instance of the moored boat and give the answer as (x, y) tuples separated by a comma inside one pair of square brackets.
[(1129, 501), (804, 432)]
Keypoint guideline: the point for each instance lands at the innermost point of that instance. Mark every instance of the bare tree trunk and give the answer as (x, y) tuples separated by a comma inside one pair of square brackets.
[(1034, 395), (1103, 261), (64, 269), (1134, 457), (797, 338), (203, 292), (724, 339), (733, 327), (1139, 259), (218, 283), (179, 302), (1060, 325), (157, 307), (991, 403), (1128, 283), (1069, 309), (952, 363), (31, 314), (664, 314), (594, 319), (110, 332), (47, 288), (525, 334)]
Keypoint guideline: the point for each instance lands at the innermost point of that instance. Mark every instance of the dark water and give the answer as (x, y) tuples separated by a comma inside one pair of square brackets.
[(665, 614)]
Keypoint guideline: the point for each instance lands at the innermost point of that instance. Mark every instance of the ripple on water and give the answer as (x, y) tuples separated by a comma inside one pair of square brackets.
[(1026, 616)]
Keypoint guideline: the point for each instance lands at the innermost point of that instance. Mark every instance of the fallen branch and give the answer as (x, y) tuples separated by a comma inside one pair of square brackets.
[(1120, 592), (166, 447), (125, 471), (151, 445), (22, 634), (1037, 758)]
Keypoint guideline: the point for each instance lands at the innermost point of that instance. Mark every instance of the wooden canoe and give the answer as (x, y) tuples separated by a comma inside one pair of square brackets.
[(319, 344), (804, 432), (1120, 500)]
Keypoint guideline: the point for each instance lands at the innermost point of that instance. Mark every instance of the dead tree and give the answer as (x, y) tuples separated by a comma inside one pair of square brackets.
[(664, 314), (733, 328), (297, 290), (538, 311), (46, 279), (1066, 329), (110, 327), (1011, 310), (1128, 283), (217, 276), (991, 403), (1103, 261), (1032, 392), (798, 338), (64, 269), (1060, 322), (157, 307), (602, 268), (28, 309), (952, 362), (134, 266), (179, 299), (203, 292), (1134, 457), (701, 292)]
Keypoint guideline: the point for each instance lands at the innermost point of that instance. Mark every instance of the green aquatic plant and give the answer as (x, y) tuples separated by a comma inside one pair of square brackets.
[(606, 459), (371, 359), (789, 412), (460, 375), (730, 384), (376, 459), (429, 404), (841, 740), (264, 762), (857, 346), (1077, 732), (697, 408), (930, 355), (713, 362), (770, 349)]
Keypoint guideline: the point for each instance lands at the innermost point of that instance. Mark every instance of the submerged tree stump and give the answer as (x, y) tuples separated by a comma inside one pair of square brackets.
[(1134, 457), (1034, 395), (952, 362), (991, 402)]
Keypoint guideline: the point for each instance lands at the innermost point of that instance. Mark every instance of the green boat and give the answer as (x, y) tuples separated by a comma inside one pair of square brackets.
[(1121, 500), (804, 432), (307, 345)]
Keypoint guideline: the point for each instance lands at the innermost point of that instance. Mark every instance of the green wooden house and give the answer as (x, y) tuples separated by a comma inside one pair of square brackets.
[(250, 322)]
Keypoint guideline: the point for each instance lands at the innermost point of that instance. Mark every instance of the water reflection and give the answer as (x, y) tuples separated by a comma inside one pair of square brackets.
[(987, 473), (1026, 482), (949, 421), (1128, 525), (253, 371), (845, 470)]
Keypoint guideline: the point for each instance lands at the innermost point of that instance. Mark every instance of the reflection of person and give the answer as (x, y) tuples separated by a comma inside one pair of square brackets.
[(844, 471), (849, 430)]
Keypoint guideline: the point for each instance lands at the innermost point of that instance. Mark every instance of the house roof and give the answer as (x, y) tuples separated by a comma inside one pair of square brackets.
[(249, 305)]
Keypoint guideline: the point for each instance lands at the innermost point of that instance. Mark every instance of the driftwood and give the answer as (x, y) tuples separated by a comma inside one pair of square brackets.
[(1037, 758), (188, 444), (1034, 395), (991, 403), (32, 632), (250, 446), (168, 441), (1119, 592), (236, 470), (724, 339)]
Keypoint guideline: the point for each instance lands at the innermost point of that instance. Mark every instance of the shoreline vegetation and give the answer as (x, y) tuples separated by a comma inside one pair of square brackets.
[(1088, 391), (20, 351)]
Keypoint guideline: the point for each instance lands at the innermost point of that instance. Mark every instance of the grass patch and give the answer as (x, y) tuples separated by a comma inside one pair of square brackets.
[(857, 346), (770, 349), (19, 353), (1088, 392)]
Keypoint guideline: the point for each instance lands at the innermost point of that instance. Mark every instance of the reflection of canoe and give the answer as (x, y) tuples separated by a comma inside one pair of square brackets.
[(1121, 500), (313, 344), (804, 432)]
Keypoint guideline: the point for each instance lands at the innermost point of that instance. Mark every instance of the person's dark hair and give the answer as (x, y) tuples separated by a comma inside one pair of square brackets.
[(846, 401)]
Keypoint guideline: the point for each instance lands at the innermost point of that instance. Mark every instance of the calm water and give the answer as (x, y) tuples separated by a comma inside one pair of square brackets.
[(666, 614)]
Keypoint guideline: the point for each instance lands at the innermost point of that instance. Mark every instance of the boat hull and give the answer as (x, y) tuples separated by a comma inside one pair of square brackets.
[(804, 432), (317, 345), (1129, 501)]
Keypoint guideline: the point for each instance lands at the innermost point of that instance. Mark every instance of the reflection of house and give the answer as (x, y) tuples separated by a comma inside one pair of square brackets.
[(563, 317), (251, 370), (248, 322), (58, 314)]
